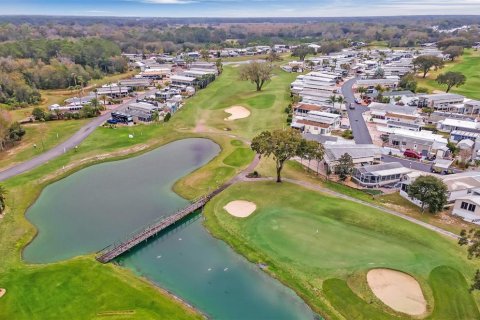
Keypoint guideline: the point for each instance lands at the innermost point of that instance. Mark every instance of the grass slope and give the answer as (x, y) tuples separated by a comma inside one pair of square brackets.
[(307, 238)]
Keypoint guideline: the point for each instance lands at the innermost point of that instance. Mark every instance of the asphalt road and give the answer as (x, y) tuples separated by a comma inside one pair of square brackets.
[(68, 144), (357, 123)]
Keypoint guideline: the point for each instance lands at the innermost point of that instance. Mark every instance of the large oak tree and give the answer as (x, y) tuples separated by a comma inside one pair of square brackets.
[(256, 72), (282, 144), (425, 63), (430, 191), (451, 79)]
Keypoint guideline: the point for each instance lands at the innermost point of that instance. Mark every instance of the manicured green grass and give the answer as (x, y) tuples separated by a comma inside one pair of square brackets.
[(239, 157), (452, 299), (349, 304), (82, 289), (266, 106), (306, 237), (262, 102), (469, 65)]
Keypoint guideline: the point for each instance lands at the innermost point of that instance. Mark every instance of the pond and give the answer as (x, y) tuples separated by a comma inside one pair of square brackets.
[(96, 206)]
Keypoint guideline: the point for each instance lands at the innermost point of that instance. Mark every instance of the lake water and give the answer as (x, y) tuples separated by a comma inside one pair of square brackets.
[(98, 205)]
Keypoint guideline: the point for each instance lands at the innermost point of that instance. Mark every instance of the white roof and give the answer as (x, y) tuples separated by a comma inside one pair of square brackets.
[(471, 198), (460, 123)]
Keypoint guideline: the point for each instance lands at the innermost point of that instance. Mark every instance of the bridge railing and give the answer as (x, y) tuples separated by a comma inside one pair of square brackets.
[(146, 231)]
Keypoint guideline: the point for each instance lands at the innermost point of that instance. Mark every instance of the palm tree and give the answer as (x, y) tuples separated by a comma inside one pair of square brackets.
[(361, 90), (310, 64), (205, 54), (380, 89), (341, 100), (331, 100), (155, 116), (219, 65), (104, 98), (3, 194)]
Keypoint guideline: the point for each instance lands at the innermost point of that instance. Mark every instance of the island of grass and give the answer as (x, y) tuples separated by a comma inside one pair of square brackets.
[(324, 247)]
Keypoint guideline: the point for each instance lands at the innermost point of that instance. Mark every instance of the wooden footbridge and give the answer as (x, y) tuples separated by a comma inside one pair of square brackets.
[(111, 252)]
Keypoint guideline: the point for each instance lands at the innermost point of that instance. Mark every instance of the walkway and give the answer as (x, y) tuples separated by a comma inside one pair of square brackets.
[(70, 143)]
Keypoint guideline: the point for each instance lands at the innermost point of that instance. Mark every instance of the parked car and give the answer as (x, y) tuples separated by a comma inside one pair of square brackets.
[(357, 101), (412, 154), (431, 158)]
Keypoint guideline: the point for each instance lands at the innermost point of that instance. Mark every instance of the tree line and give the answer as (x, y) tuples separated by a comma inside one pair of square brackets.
[(30, 65)]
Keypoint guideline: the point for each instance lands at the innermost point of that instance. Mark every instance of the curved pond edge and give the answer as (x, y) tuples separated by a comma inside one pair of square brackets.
[(92, 162)]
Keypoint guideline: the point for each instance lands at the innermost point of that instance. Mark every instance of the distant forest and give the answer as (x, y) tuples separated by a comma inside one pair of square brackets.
[(41, 52)]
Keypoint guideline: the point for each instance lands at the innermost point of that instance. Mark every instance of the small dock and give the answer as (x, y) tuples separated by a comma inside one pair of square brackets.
[(115, 250)]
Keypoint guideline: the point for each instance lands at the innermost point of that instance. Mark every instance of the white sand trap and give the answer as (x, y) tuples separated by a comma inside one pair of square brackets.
[(398, 290), (2, 292), (240, 208), (237, 112)]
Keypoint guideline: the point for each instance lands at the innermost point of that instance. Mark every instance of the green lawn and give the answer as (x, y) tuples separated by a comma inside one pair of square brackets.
[(469, 65), (83, 289), (306, 238)]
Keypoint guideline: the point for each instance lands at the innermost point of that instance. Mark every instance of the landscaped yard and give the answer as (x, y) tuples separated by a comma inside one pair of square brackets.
[(307, 238), (469, 65)]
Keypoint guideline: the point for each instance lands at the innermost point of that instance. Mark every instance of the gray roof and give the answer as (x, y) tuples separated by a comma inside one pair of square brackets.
[(393, 108), (335, 151), (403, 124), (377, 168), (399, 93), (319, 137)]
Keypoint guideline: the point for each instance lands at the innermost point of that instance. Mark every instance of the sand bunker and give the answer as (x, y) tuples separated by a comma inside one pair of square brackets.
[(240, 208), (398, 290), (2, 292), (237, 112)]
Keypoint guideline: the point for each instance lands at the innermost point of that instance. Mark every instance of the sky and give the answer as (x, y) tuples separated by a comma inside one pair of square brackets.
[(239, 8)]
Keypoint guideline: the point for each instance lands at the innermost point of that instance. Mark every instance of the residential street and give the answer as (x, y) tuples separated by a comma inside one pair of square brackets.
[(70, 143), (357, 123)]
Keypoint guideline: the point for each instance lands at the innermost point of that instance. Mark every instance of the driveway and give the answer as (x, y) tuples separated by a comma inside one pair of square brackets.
[(70, 143), (357, 122)]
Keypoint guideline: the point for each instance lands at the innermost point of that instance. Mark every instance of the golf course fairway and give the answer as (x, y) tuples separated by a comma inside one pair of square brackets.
[(323, 248)]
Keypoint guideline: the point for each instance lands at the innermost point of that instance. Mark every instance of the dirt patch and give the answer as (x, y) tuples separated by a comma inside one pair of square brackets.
[(2, 292), (398, 290), (240, 208), (237, 112)]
